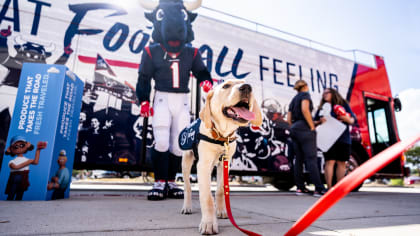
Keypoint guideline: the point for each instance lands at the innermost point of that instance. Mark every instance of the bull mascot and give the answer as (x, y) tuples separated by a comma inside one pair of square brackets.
[(169, 61)]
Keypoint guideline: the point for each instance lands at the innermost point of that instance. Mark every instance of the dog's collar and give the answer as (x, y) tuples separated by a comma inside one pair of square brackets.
[(201, 136), (218, 137)]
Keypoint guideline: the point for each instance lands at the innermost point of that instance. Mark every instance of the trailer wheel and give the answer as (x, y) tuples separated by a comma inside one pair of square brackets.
[(281, 183)]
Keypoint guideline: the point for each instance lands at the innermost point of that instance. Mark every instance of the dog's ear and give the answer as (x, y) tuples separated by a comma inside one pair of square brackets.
[(205, 113), (257, 111)]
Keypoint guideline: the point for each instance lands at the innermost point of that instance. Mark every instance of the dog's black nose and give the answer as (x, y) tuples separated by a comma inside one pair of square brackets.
[(245, 88)]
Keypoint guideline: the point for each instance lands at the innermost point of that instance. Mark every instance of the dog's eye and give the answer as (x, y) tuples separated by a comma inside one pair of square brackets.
[(226, 86)]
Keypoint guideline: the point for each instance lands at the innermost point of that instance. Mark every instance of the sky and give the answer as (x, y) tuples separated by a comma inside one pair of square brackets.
[(388, 28)]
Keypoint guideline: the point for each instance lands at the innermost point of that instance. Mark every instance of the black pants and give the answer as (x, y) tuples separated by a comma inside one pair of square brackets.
[(304, 147), (16, 191)]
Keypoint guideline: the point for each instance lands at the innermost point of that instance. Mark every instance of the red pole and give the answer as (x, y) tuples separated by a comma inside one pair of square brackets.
[(348, 183)]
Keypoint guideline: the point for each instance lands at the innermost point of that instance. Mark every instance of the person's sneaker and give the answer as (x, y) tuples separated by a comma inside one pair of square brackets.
[(319, 193), (301, 192)]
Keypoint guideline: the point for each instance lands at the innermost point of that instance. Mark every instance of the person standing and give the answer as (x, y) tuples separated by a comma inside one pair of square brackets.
[(304, 140), (340, 151)]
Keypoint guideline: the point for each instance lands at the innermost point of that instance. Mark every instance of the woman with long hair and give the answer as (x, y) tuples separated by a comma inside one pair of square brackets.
[(339, 153)]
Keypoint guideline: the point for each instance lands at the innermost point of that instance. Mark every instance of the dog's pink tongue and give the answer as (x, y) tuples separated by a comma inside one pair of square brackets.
[(244, 113)]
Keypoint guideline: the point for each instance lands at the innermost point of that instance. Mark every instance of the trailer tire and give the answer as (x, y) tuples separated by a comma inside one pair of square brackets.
[(282, 184), (354, 162)]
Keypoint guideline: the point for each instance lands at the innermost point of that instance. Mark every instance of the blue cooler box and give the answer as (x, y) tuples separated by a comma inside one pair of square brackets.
[(41, 142)]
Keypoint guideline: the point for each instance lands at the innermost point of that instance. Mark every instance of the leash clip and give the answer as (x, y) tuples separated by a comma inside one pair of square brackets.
[(225, 156)]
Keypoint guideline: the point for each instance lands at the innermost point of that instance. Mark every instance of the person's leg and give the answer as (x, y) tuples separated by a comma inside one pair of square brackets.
[(179, 107), (54, 194), (11, 195), (60, 193), (341, 170), (15, 183), (174, 165), (160, 162), (310, 157), (343, 155), (329, 171), (19, 195), (12, 192), (160, 153), (298, 163)]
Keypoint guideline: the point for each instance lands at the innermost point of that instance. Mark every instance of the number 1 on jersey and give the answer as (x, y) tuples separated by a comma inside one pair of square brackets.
[(175, 74)]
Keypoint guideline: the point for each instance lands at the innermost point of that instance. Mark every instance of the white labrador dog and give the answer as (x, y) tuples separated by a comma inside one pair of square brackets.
[(228, 106)]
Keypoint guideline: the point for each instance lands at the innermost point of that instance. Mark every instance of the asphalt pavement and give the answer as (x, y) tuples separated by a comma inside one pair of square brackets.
[(103, 208)]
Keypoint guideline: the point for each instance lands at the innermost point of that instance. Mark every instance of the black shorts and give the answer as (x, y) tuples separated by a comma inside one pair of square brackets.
[(339, 152)]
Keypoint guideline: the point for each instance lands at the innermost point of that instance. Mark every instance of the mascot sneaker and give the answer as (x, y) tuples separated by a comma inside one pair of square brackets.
[(174, 191), (158, 192)]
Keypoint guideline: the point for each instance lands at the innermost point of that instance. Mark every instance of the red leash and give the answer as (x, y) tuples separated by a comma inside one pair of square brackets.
[(348, 183), (227, 201)]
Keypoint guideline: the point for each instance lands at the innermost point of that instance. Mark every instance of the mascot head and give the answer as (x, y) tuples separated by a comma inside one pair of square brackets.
[(171, 22)]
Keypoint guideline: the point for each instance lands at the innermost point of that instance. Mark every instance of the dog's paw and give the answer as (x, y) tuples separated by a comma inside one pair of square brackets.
[(221, 214), (186, 210), (208, 227)]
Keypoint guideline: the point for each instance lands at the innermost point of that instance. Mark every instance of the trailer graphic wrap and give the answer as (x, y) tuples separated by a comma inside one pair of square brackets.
[(102, 43), (264, 148)]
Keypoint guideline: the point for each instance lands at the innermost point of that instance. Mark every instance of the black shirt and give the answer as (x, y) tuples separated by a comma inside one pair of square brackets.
[(295, 106)]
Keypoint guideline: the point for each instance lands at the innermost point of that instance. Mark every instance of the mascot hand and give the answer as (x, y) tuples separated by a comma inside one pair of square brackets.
[(340, 111), (145, 109), (207, 86), (6, 32)]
